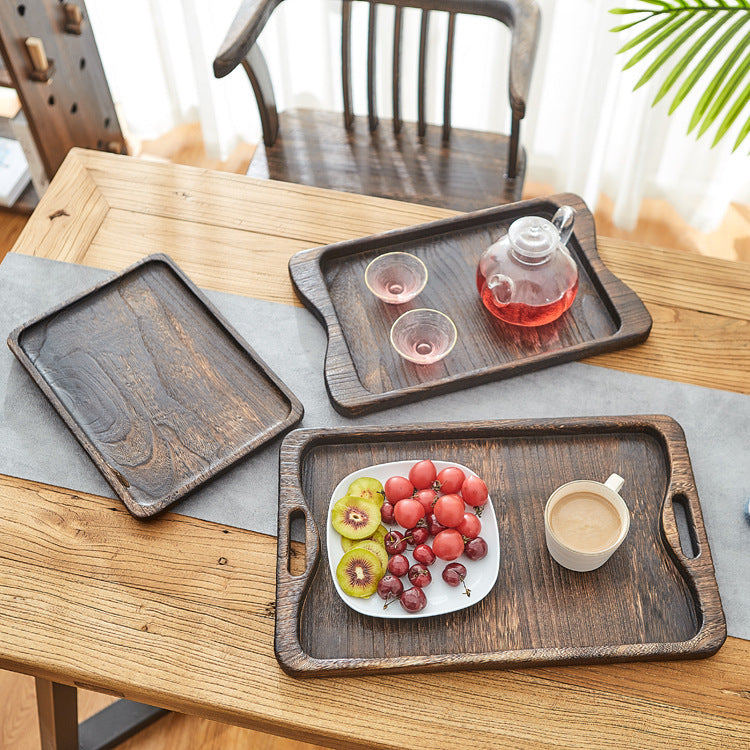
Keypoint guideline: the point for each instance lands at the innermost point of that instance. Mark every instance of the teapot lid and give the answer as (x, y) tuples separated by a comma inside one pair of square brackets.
[(533, 236)]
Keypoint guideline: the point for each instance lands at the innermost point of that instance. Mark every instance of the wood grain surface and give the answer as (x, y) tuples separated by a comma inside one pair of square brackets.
[(192, 633), (154, 383), (81, 577), (362, 370), (701, 306), (650, 600)]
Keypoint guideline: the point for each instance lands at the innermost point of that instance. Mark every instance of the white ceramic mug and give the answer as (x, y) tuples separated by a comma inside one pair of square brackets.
[(584, 535)]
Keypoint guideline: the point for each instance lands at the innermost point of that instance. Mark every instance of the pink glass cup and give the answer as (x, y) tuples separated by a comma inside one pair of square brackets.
[(396, 277), (423, 336)]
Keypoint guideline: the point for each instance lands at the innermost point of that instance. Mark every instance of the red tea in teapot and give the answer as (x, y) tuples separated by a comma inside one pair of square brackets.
[(521, 313)]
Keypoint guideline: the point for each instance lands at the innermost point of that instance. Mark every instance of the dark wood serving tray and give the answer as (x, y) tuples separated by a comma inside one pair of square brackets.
[(363, 373), (656, 597), (154, 383)]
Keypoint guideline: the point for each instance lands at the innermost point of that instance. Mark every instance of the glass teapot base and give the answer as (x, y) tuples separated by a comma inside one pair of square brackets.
[(520, 314)]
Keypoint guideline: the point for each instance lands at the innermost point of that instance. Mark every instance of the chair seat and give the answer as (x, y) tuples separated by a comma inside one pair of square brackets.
[(314, 148)]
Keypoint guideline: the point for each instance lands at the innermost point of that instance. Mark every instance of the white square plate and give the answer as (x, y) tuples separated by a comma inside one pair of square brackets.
[(441, 598)]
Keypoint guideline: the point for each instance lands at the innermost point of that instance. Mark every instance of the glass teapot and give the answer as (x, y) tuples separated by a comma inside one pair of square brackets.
[(528, 276)]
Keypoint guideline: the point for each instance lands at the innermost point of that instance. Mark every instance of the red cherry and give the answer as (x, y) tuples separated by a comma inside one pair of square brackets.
[(476, 549), (394, 543), (419, 575), (390, 587), (413, 599), (386, 512), (454, 574), (423, 553), (418, 535), (433, 525), (398, 565)]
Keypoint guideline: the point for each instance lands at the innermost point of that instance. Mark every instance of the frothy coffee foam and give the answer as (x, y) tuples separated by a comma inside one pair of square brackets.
[(585, 521)]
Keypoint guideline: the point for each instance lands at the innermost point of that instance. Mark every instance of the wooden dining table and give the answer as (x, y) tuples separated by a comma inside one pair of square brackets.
[(178, 612)]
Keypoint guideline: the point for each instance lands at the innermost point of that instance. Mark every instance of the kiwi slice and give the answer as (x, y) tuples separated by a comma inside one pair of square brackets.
[(377, 549), (358, 573), (355, 517), (379, 535), (368, 488)]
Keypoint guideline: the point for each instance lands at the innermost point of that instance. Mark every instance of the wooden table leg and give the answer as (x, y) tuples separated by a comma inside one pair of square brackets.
[(57, 706)]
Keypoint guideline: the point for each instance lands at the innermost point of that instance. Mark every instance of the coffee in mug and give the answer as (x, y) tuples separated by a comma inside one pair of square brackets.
[(585, 522)]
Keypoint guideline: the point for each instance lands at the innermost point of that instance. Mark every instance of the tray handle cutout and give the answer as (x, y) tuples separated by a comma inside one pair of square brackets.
[(679, 528), (685, 526), (297, 558), (299, 544)]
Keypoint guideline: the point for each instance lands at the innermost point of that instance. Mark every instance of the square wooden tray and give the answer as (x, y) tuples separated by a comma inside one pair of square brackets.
[(363, 373), (656, 598), (154, 383)]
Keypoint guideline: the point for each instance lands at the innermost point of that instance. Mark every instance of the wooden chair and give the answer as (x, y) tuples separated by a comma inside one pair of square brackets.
[(418, 162)]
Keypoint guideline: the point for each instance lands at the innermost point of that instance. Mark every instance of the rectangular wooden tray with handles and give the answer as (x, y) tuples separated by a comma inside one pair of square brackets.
[(363, 373), (656, 598)]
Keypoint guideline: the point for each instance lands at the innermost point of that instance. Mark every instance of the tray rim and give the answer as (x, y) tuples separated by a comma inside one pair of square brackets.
[(698, 572), (116, 481), (345, 390)]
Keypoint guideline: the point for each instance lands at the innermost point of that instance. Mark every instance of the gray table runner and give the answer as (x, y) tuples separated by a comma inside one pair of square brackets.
[(36, 445)]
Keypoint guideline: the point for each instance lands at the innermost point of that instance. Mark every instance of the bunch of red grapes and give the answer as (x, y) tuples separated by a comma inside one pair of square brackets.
[(432, 508)]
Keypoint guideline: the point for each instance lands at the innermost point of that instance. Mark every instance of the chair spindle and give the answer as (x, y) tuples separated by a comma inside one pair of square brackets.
[(372, 113), (346, 62), (421, 119), (397, 28), (447, 91)]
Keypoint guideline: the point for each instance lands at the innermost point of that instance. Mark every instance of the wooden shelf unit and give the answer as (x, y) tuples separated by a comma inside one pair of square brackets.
[(65, 101)]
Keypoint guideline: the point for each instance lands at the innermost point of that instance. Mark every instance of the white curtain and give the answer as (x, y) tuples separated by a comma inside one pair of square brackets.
[(586, 131)]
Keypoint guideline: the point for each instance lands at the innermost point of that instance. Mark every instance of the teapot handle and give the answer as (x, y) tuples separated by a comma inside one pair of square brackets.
[(563, 221)]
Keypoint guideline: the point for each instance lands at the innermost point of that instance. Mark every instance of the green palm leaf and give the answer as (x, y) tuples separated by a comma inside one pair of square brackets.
[(732, 115), (643, 36), (703, 65), (708, 95), (657, 40), (662, 30), (723, 98), (680, 68), (744, 132), (672, 47)]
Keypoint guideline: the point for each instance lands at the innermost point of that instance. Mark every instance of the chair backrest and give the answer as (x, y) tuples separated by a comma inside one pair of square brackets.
[(520, 16)]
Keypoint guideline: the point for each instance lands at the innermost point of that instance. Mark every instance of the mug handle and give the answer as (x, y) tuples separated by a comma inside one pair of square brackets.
[(615, 483)]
